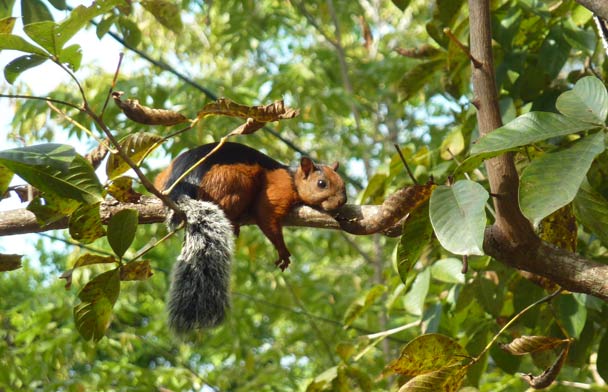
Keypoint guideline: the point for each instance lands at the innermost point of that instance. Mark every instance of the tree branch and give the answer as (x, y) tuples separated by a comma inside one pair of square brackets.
[(511, 240)]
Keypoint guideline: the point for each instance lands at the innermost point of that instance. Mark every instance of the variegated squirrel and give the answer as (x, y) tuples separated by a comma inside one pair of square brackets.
[(235, 181)]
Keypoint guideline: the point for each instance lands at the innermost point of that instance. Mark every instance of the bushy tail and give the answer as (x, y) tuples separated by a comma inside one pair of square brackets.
[(199, 295)]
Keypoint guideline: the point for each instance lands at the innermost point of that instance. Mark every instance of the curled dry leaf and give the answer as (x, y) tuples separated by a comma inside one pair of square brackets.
[(145, 115), (267, 113), (549, 375), (250, 126), (530, 344)]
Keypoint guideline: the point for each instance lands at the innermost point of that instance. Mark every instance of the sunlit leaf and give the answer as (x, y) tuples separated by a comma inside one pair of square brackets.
[(452, 144), (587, 101), (92, 316), (560, 228), (121, 230), (444, 380), (6, 176), (34, 11), (415, 298), (552, 181), (10, 262), (14, 42), (426, 354), (7, 24), (72, 56), (136, 270), (121, 189), (526, 129), (50, 208), (448, 270), (137, 146), (458, 216), (166, 12), (85, 224), (86, 259)]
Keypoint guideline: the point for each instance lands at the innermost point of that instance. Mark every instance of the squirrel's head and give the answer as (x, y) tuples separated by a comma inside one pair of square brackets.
[(320, 186)]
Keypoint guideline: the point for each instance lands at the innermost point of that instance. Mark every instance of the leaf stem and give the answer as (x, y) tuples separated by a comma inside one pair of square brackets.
[(515, 318)]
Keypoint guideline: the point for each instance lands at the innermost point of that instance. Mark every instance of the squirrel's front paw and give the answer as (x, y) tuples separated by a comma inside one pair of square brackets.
[(282, 263)]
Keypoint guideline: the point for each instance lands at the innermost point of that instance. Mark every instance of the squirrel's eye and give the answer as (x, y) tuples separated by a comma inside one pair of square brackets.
[(322, 184)]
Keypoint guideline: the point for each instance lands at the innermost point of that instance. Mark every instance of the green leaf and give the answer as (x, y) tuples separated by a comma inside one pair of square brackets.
[(166, 12), (14, 42), (6, 176), (361, 304), (137, 146), (428, 353), (121, 230), (417, 77), (43, 33), (572, 313), (59, 4), (401, 4), (416, 235), (10, 262), (34, 11), (415, 298), (591, 209), (49, 173), (57, 156), (452, 144), (448, 270), (552, 181), (21, 64), (375, 189), (50, 208), (130, 31), (92, 315), (6, 8), (79, 18), (72, 56), (458, 216), (85, 224), (446, 380), (587, 101), (602, 357), (526, 129), (104, 26), (7, 24)]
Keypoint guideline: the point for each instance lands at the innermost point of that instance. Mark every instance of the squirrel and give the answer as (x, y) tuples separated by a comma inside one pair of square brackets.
[(234, 182)]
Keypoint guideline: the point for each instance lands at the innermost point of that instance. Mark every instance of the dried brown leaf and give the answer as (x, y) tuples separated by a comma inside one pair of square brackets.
[(549, 375), (10, 262), (267, 113), (529, 344), (145, 115)]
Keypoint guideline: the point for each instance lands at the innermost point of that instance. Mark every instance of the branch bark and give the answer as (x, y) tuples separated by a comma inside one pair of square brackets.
[(511, 239)]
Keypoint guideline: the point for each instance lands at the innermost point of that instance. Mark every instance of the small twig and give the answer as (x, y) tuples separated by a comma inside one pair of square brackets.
[(47, 99), (451, 36), (78, 125), (150, 247), (409, 172), (105, 104), (515, 318), (75, 79)]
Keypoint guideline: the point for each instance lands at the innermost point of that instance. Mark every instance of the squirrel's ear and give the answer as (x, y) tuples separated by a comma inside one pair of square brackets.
[(307, 166), (335, 165)]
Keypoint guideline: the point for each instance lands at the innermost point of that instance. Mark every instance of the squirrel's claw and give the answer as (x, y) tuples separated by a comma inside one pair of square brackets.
[(282, 263)]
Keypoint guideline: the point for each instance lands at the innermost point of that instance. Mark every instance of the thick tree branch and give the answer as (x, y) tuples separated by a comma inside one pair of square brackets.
[(511, 239), (353, 219)]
